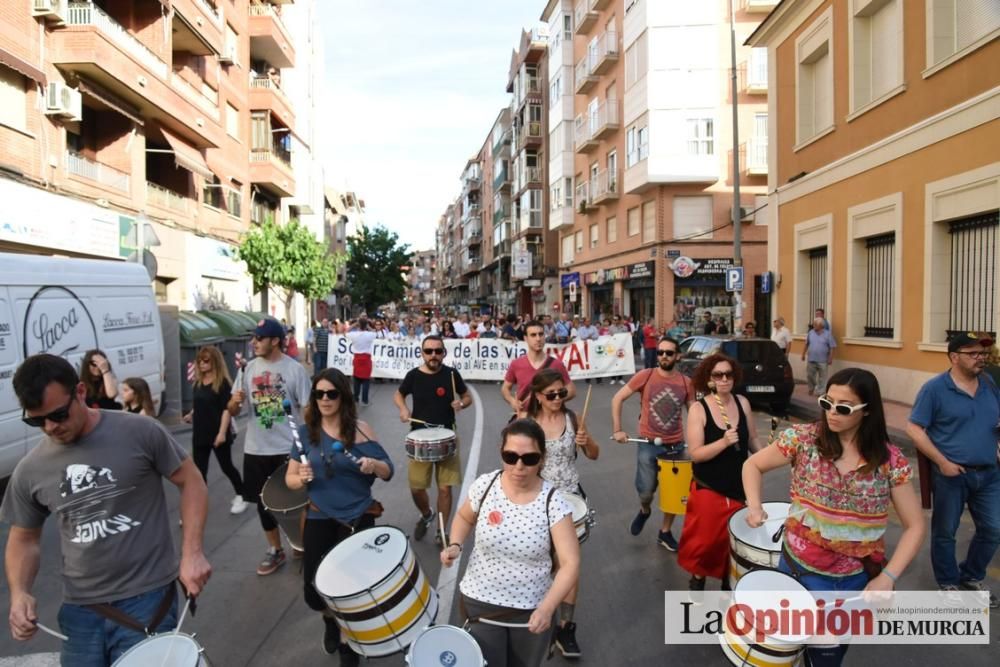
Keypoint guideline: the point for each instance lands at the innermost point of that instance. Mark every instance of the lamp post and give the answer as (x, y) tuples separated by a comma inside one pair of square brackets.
[(736, 209)]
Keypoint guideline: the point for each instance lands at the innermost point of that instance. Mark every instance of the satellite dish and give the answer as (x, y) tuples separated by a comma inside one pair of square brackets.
[(148, 260)]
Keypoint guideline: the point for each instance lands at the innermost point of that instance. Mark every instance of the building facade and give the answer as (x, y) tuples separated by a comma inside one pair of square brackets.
[(421, 293), (884, 177)]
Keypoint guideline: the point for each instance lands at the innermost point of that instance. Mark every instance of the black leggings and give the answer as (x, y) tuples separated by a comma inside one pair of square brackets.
[(224, 455), (256, 469)]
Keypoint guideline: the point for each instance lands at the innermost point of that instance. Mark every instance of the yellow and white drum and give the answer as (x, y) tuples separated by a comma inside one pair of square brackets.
[(753, 548), (379, 595), (288, 507), (761, 589), (583, 518), (168, 649), (430, 444), (675, 484), (447, 646)]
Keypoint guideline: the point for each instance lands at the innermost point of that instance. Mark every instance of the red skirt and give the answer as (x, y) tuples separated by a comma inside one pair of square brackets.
[(362, 365), (704, 549)]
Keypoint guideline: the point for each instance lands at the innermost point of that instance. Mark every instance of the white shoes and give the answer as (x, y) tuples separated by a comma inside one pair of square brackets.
[(238, 506)]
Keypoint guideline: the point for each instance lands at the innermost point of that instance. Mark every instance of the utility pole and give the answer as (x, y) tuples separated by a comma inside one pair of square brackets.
[(737, 211)]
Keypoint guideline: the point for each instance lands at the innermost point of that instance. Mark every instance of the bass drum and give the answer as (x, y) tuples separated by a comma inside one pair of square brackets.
[(167, 649)]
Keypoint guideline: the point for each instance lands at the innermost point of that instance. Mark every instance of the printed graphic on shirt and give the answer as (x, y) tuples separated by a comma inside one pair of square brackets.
[(87, 487), (665, 409), (268, 398)]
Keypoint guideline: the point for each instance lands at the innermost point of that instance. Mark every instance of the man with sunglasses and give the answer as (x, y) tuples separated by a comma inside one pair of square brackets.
[(522, 370), (664, 393), (101, 473), (270, 380), (954, 424), (434, 387)]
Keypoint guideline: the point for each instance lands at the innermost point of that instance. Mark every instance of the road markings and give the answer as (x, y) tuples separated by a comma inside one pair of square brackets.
[(32, 660), (448, 577)]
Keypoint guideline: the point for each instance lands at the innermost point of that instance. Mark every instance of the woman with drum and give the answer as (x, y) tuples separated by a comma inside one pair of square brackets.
[(720, 433), (564, 437), (519, 522), (845, 476), (342, 459)]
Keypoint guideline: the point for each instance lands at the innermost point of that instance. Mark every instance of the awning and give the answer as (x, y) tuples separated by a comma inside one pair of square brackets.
[(111, 101), (227, 171), (187, 156), (22, 66)]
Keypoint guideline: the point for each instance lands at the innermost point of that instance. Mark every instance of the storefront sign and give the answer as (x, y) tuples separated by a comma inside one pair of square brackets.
[(608, 275), (641, 270), (218, 260), (567, 279), (671, 254), (702, 270), (520, 265)]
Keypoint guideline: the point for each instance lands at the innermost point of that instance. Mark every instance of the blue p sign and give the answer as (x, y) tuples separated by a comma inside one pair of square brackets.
[(734, 278)]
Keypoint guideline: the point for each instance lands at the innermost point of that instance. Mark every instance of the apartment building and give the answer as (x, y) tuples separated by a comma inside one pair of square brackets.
[(166, 116), (497, 217), (883, 155), (421, 293), (652, 189)]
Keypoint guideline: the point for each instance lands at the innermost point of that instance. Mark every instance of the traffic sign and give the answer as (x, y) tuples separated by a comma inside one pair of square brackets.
[(765, 282), (734, 278)]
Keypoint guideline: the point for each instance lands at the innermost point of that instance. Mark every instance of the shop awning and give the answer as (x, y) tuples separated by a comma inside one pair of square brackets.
[(225, 170), (22, 66), (187, 156), (111, 101)]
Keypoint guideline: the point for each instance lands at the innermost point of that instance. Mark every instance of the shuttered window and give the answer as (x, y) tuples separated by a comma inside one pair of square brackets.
[(973, 274)]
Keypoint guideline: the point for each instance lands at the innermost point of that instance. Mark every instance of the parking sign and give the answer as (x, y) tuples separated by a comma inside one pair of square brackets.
[(734, 278)]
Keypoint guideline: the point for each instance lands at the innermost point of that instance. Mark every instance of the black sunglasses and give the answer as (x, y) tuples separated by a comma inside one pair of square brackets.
[(666, 353), (329, 394), (558, 393), (718, 375), (434, 350), (56, 416), (529, 459)]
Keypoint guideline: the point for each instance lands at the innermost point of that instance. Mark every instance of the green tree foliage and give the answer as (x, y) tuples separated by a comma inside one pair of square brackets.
[(289, 257), (375, 266)]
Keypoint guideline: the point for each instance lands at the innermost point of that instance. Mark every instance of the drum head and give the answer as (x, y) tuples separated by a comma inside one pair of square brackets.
[(435, 434), (277, 497), (759, 537), (361, 561), (445, 646), (578, 504), (168, 650), (761, 589)]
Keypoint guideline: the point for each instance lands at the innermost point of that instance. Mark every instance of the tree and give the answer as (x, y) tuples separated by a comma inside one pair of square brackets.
[(289, 257), (375, 267)]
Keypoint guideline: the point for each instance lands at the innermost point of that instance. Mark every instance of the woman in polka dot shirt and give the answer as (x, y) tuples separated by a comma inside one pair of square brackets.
[(521, 522)]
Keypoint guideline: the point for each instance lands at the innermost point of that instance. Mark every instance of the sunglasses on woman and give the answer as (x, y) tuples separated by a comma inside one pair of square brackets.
[(558, 393), (720, 375), (56, 416), (511, 458), (328, 394), (842, 409)]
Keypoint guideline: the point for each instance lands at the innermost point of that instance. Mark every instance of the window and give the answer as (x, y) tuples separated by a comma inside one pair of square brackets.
[(692, 217), (568, 191), (555, 197), (231, 48), (637, 60), (555, 88), (817, 279), (642, 136), (973, 273), (611, 230), (631, 154), (13, 99), (876, 51), (633, 221), (636, 145), (567, 26), (648, 221), (567, 250), (956, 25), (578, 239), (613, 165), (873, 273), (879, 292), (595, 235), (814, 79), (232, 121), (700, 136)]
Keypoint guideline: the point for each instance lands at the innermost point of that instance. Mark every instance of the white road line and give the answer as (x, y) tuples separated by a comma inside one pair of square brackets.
[(448, 577), (32, 660)]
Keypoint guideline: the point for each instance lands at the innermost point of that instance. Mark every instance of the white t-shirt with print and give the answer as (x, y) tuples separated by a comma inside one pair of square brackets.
[(511, 563)]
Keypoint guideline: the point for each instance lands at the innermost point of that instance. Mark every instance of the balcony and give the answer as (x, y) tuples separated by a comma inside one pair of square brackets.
[(206, 98), (471, 264), (200, 25), (501, 180), (470, 213), (530, 222), (584, 17), (474, 236), (583, 138), (607, 52), (606, 121), (272, 168), (599, 4), (756, 156), (99, 173), (754, 72), (530, 176), (584, 77), (530, 135), (269, 40), (584, 203), (605, 187), (758, 6), (500, 215), (501, 249), (471, 182), (502, 139), (267, 95), (168, 200)]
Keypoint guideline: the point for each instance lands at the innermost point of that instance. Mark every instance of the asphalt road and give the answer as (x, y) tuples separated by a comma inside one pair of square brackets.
[(244, 619)]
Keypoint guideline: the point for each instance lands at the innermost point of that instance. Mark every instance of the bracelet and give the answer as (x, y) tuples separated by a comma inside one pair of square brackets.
[(456, 544), (889, 574)]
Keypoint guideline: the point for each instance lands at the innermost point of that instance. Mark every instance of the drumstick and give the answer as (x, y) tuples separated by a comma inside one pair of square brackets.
[(454, 391), (787, 516), (421, 421), (295, 430), (57, 635), (187, 605), (444, 535), (502, 624), (586, 405)]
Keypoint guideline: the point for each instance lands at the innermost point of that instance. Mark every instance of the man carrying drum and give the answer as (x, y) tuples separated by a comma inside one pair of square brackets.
[(438, 391), (664, 393)]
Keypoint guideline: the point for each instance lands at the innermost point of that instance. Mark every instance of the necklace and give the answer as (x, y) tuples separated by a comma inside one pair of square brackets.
[(725, 415)]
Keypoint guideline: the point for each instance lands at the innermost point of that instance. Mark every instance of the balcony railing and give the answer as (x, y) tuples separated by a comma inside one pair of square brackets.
[(607, 52), (583, 200), (470, 212), (755, 71), (532, 175), (206, 98), (212, 10), (606, 186), (583, 138), (584, 17), (164, 198), (500, 215), (87, 14), (531, 133), (756, 155), (276, 155), (80, 166), (584, 75), (501, 179), (605, 120), (265, 83)]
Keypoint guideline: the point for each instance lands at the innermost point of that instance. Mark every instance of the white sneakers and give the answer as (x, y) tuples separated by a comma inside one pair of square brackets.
[(238, 506)]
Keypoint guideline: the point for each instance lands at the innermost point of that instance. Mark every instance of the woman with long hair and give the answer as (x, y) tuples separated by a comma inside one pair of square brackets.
[(565, 436), (342, 461), (100, 381), (212, 430), (845, 476), (448, 330), (720, 434), (137, 398)]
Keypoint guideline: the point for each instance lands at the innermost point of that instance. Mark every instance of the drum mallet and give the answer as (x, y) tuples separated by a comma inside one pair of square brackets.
[(421, 421), (649, 441), (57, 635), (338, 446), (444, 534), (586, 407), (287, 405), (777, 534)]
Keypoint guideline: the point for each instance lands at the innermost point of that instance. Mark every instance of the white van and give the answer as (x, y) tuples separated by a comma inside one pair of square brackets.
[(66, 307)]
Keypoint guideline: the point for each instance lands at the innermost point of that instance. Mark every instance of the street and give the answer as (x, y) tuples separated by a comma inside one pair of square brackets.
[(244, 619)]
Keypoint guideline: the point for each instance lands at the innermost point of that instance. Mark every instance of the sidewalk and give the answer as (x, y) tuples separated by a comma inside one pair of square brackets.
[(897, 415)]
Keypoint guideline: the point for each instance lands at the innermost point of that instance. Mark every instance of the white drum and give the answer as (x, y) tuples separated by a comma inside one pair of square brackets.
[(165, 650), (430, 444), (583, 519), (760, 589), (380, 597), (753, 548), (445, 646)]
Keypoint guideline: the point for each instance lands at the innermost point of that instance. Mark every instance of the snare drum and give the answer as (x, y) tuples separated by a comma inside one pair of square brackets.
[(430, 444), (447, 646), (167, 650), (759, 589), (288, 507), (753, 548), (583, 519), (377, 591), (675, 484)]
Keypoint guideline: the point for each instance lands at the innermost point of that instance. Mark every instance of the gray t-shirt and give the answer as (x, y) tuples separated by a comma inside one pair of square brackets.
[(107, 492), (267, 385)]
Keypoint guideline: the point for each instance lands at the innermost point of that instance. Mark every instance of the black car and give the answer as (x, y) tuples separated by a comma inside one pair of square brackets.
[(767, 375)]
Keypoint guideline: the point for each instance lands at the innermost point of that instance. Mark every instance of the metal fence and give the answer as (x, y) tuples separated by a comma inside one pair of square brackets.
[(973, 273)]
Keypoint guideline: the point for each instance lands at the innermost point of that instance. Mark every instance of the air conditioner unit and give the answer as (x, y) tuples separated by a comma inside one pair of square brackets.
[(52, 10), (61, 100), (746, 214), (228, 55)]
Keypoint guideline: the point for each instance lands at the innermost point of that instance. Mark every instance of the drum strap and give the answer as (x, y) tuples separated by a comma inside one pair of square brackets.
[(116, 615)]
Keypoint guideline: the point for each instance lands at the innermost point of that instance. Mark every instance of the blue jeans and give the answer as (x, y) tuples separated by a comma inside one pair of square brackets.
[(319, 361), (649, 354), (647, 470), (831, 655), (361, 390), (97, 642), (980, 490)]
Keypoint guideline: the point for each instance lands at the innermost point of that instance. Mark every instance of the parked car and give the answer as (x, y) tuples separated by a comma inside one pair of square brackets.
[(767, 375)]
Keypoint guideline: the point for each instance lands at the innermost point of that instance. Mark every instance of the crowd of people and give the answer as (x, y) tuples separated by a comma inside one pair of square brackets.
[(526, 556)]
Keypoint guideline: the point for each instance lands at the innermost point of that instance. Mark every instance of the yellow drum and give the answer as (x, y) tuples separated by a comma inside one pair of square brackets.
[(675, 483)]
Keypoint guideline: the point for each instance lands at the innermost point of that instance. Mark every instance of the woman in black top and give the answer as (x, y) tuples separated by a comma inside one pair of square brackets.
[(720, 436), (100, 381), (212, 430)]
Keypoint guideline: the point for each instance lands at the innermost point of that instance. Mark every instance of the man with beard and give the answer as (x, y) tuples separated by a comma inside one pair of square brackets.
[(438, 391), (664, 393), (522, 370)]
